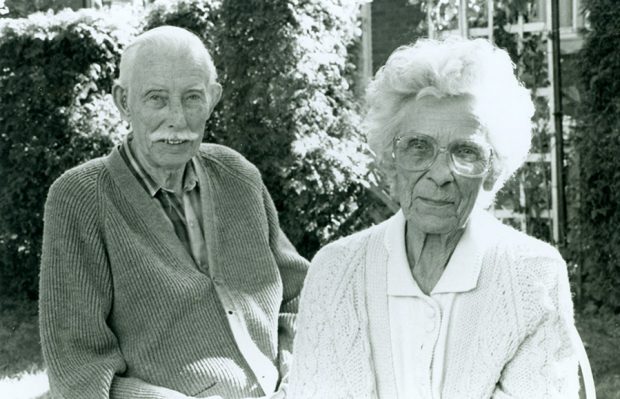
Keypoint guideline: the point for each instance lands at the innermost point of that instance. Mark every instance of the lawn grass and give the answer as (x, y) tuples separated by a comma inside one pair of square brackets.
[(600, 334), (22, 373)]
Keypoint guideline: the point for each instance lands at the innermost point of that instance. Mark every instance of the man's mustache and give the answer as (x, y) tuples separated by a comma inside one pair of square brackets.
[(161, 136)]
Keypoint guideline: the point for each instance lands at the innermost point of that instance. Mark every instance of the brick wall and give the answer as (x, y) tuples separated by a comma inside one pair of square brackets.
[(394, 23)]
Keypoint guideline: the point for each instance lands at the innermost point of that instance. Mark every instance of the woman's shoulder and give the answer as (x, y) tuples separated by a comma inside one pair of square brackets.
[(518, 247), (534, 268), (340, 260), (343, 249)]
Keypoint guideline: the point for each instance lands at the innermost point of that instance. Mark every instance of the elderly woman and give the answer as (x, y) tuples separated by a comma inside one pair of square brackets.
[(441, 300)]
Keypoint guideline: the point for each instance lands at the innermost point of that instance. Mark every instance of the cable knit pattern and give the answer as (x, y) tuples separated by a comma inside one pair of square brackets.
[(124, 310), (511, 333), (340, 311)]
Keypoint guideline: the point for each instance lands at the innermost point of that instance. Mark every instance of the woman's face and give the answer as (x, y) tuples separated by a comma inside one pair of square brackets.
[(437, 200)]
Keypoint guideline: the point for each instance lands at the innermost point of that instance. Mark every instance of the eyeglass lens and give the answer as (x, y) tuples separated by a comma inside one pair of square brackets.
[(418, 152)]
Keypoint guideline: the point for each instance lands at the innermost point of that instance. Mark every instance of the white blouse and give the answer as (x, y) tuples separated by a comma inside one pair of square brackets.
[(420, 323)]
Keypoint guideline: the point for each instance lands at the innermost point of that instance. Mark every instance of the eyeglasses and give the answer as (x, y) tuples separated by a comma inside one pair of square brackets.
[(416, 152)]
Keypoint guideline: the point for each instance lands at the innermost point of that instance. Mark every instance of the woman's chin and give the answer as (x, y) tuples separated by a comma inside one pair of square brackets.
[(432, 224)]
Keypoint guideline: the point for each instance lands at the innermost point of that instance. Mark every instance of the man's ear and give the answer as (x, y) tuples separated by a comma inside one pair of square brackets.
[(119, 94), (215, 94)]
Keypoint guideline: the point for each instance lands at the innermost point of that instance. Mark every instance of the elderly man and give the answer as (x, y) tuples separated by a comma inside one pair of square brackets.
[(164, 272)]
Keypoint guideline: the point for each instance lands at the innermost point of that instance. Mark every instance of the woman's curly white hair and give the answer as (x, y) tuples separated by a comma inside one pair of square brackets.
[(453, 67)]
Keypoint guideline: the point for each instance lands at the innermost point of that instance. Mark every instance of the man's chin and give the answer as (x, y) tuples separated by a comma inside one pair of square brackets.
[(174, 160)]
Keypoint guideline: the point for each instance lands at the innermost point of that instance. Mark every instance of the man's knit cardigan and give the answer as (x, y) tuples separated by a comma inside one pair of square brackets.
[(510, 337), (125, 312)]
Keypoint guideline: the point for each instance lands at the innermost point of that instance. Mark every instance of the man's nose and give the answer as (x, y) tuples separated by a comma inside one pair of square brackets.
[(176, 117), (440, 171)]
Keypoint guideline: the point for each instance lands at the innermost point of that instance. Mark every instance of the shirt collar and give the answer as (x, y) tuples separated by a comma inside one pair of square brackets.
[(462, 271), (190, 179)]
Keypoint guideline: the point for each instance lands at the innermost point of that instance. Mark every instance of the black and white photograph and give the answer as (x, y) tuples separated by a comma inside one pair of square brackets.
[(309, 199)]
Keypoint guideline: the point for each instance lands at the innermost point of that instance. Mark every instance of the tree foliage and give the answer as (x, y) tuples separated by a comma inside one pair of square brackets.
[(528, 192), (200, 17), (596, 235), (54, 73), (288, 106)]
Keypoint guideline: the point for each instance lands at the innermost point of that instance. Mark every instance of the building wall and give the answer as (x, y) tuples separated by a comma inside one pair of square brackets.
[(394, 23)]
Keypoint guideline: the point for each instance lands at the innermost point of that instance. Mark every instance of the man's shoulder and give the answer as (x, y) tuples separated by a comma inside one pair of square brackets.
[(78, 181), (226, 159)]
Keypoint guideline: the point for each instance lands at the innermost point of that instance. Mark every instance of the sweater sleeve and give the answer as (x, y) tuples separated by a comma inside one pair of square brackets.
[(545, 364), (311, 355), (75, 290), (332, 356), (293, 268)]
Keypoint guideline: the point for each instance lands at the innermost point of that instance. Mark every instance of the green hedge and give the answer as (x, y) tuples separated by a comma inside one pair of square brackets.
[(202, 18), (290, 110), (286, 67), (596, 235), (54, 114)]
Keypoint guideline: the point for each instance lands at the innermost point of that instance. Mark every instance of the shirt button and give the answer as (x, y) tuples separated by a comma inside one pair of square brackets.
[(430, 313), (430, 327)]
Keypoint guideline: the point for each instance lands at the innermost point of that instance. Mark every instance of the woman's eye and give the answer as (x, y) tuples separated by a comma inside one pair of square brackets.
[(418, 145), (468, 152)]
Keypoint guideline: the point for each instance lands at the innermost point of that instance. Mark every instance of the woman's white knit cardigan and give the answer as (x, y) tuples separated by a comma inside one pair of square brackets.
[(512, 333)]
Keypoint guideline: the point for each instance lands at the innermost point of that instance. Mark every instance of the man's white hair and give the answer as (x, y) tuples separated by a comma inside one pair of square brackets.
[(164, 37), (453, 67)]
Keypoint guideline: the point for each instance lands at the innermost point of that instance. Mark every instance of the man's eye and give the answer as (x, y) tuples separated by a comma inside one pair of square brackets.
[(194, 97), (156, 99)]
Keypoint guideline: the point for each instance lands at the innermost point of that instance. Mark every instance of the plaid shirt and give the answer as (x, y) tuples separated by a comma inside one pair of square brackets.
[(185, 211)]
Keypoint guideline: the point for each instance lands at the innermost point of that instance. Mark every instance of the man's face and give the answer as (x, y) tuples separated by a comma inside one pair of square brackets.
[(437, 200), (169, 103)]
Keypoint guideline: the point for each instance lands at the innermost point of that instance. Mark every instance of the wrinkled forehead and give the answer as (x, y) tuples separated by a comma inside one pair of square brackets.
[(150, 52), (165, 64), (450, 116)]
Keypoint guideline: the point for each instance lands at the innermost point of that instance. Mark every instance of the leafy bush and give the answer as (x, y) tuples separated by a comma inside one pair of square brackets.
[(290, 110), (54, 114), (288, 106), (528, 192), (596, 235), (202, 18)]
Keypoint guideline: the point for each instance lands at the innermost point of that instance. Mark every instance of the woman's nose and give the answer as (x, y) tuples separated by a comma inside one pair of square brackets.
[(440, 171)]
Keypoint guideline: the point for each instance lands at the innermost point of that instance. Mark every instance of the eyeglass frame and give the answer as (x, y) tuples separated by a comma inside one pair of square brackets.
[(441, 149)]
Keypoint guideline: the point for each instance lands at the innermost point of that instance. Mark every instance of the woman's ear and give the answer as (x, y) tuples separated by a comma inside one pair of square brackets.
[(119, 94), (491, 177)]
